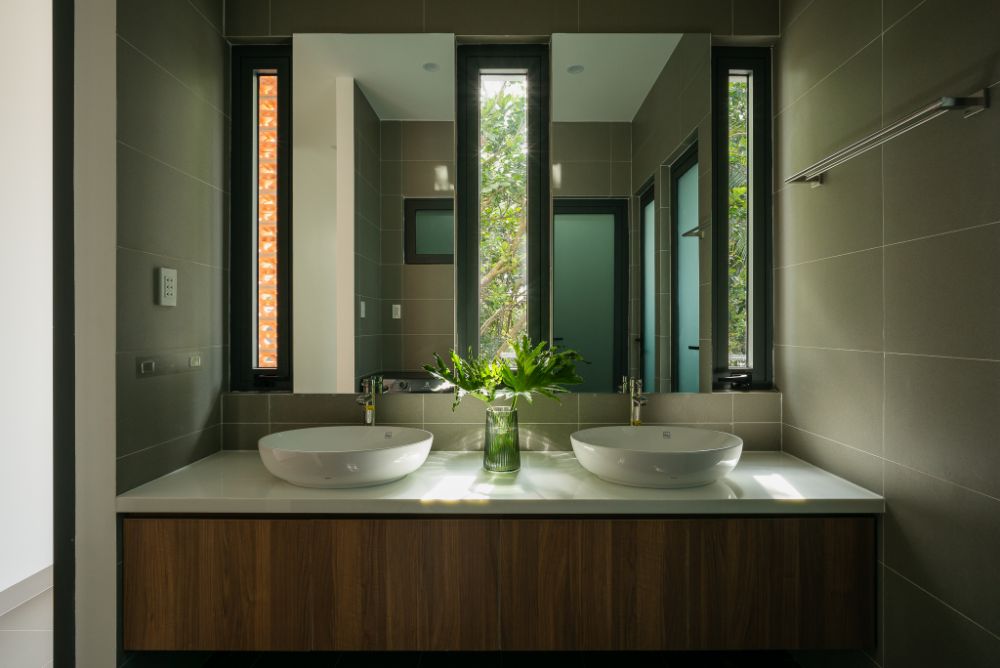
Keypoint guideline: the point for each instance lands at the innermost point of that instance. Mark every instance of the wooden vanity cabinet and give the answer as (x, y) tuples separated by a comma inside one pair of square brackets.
[(479, 583)]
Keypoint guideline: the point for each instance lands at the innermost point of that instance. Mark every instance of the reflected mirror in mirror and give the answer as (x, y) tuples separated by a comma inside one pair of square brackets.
[(629, 113), (374, 182)]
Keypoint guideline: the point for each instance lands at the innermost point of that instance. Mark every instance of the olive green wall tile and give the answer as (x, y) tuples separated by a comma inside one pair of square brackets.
[(428, 178), (939, 178), (935, 418), (710, 16), (756, 17), (316, 408), (859, 467), (835, 303), (457, 436), (759, 435), (842, 108), (427, 140), (213, 11), (438, 409), (245, 407), (374, 16), (400, 408), (756, 406), (543, 409), (419, 349), (688, 408), (842, 216), (429, 281), (581, 142), (581, 179), (826, 34), (940, 295), (546, 437), (236, 436), (834, 393), (160, 117), (945, 538), (429, 316), (515, 17), (922, 632), (604, 408), (248, 18), (145, 465), (921, 59), (161, 210)]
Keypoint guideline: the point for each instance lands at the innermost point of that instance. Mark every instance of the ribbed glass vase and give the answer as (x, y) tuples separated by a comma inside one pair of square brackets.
[(502, 452)]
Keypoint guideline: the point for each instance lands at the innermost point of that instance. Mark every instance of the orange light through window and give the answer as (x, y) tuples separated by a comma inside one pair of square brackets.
[(267, 221)]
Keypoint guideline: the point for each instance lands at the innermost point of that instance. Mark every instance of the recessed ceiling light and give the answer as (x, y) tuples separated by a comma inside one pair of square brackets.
[(431, 67), (574, 69)]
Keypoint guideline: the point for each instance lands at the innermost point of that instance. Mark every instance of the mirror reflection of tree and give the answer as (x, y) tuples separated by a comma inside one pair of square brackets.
[(503, 152)]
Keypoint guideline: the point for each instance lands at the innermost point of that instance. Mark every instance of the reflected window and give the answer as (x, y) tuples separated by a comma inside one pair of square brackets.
[(429, 231)]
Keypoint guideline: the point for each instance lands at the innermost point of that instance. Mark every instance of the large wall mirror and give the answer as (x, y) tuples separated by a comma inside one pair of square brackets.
[(413, 223)]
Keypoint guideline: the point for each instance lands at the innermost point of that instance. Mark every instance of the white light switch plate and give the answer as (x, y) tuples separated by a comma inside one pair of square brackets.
[(166, 282), (397, 311), (362, 308)]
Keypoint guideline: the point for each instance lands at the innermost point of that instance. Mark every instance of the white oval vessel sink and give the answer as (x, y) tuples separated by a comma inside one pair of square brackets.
[(344, 456), (650, 456)]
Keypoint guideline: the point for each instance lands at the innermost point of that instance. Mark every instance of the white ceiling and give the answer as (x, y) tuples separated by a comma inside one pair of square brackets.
[(618, 71), (389, 69)]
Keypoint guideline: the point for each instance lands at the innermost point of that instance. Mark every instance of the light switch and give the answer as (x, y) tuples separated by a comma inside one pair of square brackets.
[(194, 361), (397, 311), (362, 308), (166, 282)]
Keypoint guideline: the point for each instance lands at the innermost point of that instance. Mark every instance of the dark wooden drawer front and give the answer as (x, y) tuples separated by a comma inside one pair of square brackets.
[(488, 584), (742, 583)]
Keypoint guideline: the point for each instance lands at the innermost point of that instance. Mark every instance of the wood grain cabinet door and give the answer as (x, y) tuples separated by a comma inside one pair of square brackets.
[(687, 584), (407, 584), (216, 584)]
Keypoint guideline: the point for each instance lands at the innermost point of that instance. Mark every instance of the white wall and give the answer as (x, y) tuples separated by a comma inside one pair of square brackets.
[(323, 202), (26, 291), (94, 211)]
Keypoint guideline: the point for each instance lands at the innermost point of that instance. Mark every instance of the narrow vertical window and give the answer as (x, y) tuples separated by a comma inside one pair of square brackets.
[(503, 210), (260, 224), (742, 218), (266, 157), (502, 204), (739, 220)]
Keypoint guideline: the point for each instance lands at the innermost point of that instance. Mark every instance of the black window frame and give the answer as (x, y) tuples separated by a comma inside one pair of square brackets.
[(244, 375), (411, 207), (756, 60), (617, 207), (534, 60), (686, 161)]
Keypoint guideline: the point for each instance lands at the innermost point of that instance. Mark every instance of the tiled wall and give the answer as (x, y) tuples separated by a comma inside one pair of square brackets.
[(675, 114), (418, 160), (261, 18), (545, 424), (367, 239), (591, 159), (172, 211), (887, 309)]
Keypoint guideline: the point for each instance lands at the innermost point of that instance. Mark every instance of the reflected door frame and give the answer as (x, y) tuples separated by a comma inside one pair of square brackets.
[(617, 207), (680, 167)]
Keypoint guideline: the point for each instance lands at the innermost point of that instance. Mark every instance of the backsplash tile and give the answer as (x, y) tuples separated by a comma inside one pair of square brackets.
[(545, 424)]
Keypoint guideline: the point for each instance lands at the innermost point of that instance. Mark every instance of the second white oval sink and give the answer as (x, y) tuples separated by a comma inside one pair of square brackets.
[(344, 456), (651, 456)]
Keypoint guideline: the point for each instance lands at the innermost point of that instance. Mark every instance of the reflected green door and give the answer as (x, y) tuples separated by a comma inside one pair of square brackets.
[(686, 291), (583, 300)]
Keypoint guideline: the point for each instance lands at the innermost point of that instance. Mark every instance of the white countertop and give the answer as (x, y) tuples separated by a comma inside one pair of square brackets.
[(549, 483)]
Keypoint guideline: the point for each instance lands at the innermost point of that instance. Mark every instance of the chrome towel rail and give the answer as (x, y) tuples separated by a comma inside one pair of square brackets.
[(970, 105)]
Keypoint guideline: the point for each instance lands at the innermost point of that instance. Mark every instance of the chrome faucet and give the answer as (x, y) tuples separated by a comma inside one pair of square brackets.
[(369, 388), (636, 399)]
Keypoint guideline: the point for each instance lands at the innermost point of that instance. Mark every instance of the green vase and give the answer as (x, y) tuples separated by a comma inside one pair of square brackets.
[(502, 452)]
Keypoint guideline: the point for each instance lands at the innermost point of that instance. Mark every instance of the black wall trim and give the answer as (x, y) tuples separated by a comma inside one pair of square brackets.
[(63, 338), (533, 58), (758, 61), (243, 375)]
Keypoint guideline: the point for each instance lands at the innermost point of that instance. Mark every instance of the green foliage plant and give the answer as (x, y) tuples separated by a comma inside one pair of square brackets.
[(531, 369)]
